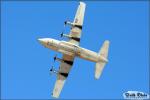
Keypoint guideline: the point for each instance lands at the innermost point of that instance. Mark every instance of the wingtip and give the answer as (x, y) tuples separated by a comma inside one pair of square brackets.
[(97, 77), (82, 3), (55, 97), (107, 41)]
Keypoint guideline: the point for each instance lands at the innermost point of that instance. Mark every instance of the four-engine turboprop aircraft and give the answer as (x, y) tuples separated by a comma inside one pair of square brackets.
[(71, 49)]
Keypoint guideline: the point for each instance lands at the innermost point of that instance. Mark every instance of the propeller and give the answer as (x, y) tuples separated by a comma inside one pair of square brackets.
[(55, 57), (65, 22), (61, 35), (51, 69)]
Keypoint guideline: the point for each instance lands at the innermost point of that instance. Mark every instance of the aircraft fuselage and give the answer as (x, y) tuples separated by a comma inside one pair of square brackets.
[(71, 49)]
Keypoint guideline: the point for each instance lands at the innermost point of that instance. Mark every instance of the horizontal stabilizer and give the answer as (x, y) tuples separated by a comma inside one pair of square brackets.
[(98, 69), (104, 49)]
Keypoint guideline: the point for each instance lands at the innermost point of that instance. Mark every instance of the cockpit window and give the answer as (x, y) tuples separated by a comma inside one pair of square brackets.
[(50, 43)]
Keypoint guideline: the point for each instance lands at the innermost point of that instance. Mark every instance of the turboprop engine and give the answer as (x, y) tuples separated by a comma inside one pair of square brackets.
[(68, 23)]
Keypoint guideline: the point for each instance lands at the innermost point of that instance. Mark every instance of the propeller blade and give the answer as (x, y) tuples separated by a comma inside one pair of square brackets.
[(55, 57), (61, 35), (51, 70), (65, 23)]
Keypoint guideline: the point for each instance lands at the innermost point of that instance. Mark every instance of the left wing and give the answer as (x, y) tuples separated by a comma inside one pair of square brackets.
[(63, 72)]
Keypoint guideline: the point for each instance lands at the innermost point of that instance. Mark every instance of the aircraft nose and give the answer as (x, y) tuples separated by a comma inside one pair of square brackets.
[(42, 41)]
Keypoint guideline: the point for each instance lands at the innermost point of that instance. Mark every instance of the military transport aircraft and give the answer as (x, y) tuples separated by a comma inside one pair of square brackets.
[(71, 49)]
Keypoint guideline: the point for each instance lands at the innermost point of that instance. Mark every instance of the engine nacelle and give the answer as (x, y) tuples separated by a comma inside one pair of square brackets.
[(73, 24), (58, 59), (70, 37), (69, 23), (65, 35)]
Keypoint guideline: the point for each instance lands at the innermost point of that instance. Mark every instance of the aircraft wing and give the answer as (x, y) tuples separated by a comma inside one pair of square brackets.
[(67, 62), (63, 72), (78, 22)]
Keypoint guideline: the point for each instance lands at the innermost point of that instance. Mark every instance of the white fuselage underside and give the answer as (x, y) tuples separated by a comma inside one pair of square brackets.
[(71, 49)]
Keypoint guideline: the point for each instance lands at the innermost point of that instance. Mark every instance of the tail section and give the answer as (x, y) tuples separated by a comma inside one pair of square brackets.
[(103, 53)]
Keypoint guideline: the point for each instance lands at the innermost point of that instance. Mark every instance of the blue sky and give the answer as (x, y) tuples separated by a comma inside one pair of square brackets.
[(25, 62)]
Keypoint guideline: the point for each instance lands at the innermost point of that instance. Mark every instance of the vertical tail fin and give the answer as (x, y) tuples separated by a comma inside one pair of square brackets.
[(103, 53)]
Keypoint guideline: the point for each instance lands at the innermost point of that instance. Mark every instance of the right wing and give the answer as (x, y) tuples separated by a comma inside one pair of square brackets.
[(78, 22), (63, 72)]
